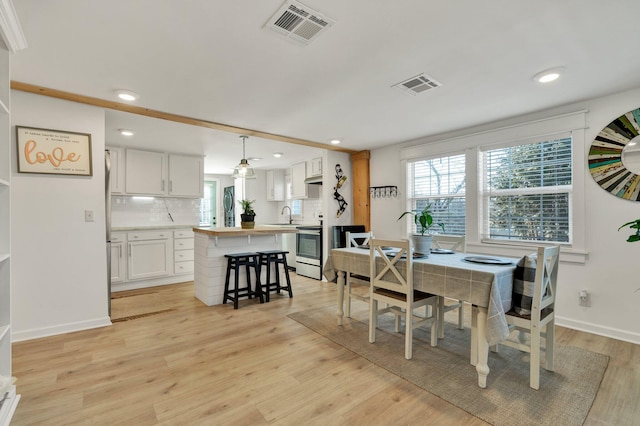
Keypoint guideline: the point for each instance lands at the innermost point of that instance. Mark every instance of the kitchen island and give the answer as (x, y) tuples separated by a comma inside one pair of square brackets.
[(211, 244)]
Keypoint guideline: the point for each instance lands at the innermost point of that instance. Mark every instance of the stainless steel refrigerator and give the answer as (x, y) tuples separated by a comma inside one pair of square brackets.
[(107, 204)]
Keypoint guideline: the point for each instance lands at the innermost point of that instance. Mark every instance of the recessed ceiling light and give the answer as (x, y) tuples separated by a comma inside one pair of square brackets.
[(335, 141), (127, 95), (126, 132), (255, 158), (548, 76), (277, 154)]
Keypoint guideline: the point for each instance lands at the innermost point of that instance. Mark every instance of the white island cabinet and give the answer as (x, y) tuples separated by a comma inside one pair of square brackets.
[(211, 244)]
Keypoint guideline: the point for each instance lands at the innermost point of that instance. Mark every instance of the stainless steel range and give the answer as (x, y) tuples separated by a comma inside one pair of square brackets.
[(309, 251)]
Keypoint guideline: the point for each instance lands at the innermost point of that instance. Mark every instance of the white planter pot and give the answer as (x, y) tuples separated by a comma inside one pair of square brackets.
[(421, 243)]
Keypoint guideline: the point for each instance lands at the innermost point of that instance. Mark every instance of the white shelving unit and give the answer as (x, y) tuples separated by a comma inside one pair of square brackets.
[(8, 397)]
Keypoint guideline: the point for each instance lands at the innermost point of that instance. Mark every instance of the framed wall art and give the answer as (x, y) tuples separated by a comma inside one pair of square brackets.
[(614, 157), (51, 151)]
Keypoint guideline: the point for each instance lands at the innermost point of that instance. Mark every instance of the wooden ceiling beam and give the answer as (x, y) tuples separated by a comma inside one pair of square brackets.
[(68, 96)]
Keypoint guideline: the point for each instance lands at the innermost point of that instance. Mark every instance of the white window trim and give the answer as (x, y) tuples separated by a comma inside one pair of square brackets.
[(471, 144)]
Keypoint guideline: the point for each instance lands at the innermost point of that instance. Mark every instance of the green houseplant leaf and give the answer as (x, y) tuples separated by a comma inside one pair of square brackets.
[(634, 224), (422, 219)]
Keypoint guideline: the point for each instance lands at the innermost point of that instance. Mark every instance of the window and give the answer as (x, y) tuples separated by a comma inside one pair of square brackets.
[(527, 191), (439, 182)]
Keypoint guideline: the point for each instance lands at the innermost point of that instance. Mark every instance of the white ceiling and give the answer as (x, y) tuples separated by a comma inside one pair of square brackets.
[(212, 60)]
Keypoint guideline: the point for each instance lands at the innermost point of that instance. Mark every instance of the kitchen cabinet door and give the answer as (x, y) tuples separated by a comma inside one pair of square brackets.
[(298, 175), (315, 167), (145, 172), (151, 258), (117, 169), (118, 262), (186, 176), (275, 185)]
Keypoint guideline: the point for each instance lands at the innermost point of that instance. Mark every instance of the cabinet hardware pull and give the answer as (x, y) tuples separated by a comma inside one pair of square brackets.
[(170, 186), (162, 188)]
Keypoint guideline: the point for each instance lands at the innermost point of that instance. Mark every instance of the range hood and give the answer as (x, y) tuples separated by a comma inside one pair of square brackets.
[(313, 180)]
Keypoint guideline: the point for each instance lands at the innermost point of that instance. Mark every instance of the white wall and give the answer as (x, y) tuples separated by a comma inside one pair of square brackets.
[(610, 272), (58, 261)]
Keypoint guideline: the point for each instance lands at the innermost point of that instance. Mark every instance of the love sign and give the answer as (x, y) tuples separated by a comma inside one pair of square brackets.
[(53, 151)]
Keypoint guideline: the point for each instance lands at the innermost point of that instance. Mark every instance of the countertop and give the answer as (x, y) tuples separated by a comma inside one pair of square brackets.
[(149, 228), (237, 231)]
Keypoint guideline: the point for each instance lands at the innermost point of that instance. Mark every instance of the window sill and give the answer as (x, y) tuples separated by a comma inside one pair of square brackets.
[(567, 254)]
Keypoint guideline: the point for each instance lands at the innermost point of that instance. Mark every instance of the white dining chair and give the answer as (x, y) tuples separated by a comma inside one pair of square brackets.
[(391, 282), (454, 243), (534, 295), (356, 239)]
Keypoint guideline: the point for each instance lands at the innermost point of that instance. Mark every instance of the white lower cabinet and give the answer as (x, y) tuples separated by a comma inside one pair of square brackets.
[(148, 258), (118, 257), (150, 254), (183, 254)]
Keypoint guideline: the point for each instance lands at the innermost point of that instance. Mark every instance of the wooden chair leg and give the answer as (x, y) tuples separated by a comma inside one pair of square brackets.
[(434, 333), (549, 345), (440, 313), (348, 289), (408, 337), (534, 359), (461, 315), (373, 319)]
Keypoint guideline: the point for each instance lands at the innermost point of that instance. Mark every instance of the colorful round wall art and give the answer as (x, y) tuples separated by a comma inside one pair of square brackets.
[(614, 157)]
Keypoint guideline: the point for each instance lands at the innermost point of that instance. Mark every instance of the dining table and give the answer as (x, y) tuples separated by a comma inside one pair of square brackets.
[(485, 282)]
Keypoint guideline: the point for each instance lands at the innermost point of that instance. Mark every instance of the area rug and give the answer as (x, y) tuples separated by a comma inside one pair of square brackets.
[(564, 398)]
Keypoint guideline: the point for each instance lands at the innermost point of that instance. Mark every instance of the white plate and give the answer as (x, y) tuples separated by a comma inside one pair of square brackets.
[(441, 251), (487, 260)]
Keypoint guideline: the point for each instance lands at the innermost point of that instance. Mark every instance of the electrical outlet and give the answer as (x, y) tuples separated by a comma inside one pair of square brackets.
[(584, 298), (88, 215)]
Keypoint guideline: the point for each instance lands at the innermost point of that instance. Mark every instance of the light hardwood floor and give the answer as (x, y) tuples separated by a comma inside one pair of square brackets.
[(199, 365)]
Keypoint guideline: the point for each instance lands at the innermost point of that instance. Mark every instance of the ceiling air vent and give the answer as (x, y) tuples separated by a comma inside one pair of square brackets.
[(418, 84), (298, 23)]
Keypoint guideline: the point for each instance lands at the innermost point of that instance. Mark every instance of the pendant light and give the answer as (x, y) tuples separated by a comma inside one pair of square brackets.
[(243, 170)]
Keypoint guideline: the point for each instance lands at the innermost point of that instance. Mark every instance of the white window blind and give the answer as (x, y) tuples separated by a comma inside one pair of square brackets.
[(527, 191), (439, 182)]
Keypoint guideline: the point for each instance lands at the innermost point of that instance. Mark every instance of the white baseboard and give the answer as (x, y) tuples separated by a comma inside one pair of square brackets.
[(134, 285), (59, 329), (587, 327)]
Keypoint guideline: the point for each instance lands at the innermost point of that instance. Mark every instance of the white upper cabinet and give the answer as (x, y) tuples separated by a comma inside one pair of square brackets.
[(315, 167), (145, 172), (186, 176), (298, 175), (275, 185), (158, 173)]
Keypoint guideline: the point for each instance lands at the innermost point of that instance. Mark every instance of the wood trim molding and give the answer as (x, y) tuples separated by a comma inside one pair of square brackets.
[(68, 96), (361, 179)]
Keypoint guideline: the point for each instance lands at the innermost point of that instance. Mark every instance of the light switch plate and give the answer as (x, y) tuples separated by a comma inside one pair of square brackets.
[(88, 215)]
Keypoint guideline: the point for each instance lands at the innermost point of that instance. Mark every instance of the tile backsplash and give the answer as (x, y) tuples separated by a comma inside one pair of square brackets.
[(146, 211)]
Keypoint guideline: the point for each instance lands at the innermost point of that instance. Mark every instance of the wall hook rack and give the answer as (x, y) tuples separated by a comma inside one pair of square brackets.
[(387, 191)]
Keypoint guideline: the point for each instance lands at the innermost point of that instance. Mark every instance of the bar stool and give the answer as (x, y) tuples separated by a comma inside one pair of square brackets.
[(274, 257), (236, 261)]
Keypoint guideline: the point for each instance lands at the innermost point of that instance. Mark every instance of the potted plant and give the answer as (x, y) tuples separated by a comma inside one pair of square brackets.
[(634, 224), (424, 222), (248, 214)]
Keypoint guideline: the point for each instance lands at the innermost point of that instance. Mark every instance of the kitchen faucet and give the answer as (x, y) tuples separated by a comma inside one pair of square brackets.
[(282, 212)]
